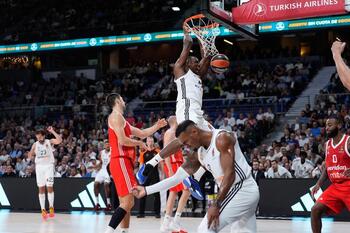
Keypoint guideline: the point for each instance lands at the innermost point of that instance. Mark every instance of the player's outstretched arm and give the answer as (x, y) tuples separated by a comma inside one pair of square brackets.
[(321, 180), (342, 69), (58, 139), (148, 131), (188, 168), (181, 61), (117, 124)]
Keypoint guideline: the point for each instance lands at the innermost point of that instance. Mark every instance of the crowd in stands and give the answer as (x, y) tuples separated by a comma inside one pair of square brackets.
[(283, 81), (78, 19), (61, 90), (83, 137), (300, 152)]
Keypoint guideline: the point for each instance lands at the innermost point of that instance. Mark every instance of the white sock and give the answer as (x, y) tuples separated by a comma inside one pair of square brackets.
[(177, 217), (108, 201), (96, 199), (51, 197), (42, 200), (199, 173), (155, 160), (109, 230), (167, 219), (124, 230)]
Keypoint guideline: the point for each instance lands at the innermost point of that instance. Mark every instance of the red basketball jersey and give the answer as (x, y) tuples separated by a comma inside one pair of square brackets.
[(118, 150), (337, 159), (177, 157)]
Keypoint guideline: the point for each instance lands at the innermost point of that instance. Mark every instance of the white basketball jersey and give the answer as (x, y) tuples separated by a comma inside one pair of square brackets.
[(44, 153), (189, 87), (105, 157), (210, 159)]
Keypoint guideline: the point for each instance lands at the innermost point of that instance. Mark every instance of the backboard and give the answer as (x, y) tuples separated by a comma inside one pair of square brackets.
[(221, 12)]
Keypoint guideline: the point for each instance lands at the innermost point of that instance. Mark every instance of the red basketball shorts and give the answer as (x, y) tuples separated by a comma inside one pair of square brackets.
[(336, 197), (122, 170)]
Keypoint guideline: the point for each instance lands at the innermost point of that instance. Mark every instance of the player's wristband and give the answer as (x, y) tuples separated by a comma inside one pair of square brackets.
[(166, 184), (155, 160)]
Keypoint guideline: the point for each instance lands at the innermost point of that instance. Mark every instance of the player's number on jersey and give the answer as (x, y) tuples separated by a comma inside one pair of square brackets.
[(335, 159)]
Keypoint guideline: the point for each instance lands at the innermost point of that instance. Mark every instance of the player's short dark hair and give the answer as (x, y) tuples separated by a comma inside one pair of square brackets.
[(274, 160), (40, 131), (110, 99), (183, 126)]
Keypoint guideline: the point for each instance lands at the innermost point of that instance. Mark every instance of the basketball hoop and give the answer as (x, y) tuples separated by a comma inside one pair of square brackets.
[(205, 30)]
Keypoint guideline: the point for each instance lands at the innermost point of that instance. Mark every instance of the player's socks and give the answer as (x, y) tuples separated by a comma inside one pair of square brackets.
[(109, 230), (177, 216), (96, 200), (50, 197), (108, 201), (42, 200), (52, 212), (117, 217), (124, 230), (155, 160)]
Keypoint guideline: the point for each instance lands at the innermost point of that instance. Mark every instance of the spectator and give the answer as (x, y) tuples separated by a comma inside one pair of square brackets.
[(303, 139), (315, 130), (317, 171), (302, 167), (16, 152), (74, 172), (256, 172), (269, 115), (277, 171), (231, 119), (226, 125), (9, 172), (303, 118), (241, 121)]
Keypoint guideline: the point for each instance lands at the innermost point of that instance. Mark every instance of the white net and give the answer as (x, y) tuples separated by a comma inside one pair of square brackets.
[(205, 30)]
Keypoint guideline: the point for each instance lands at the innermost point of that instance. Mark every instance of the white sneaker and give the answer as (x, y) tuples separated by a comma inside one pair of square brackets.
[(165, 226), (177, 227)]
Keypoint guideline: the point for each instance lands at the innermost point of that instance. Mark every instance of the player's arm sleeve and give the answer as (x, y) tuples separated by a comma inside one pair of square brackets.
[(166, 184)]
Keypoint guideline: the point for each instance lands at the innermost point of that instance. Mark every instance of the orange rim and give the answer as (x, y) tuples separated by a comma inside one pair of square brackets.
[(199, 16)]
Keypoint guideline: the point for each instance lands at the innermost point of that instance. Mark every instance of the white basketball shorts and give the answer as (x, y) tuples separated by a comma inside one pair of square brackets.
[(45, 175), (102, 176)]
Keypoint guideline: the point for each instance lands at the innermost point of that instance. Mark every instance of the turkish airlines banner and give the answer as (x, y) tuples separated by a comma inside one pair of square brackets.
[(259, 11)]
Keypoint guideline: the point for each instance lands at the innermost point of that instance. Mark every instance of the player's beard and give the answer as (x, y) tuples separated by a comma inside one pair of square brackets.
[(333, 133)]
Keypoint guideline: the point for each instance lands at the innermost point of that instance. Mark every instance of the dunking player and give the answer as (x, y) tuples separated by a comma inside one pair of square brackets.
[(172, 164), (219, 152), (188, 72), (123, 158), (337, 170), (44, 167), (102, 177)]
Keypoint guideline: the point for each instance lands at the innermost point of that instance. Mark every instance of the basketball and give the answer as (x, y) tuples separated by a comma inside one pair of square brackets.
[(220, 63)]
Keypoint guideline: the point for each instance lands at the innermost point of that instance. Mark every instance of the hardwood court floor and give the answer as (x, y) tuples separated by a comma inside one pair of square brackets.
[(88, 222)]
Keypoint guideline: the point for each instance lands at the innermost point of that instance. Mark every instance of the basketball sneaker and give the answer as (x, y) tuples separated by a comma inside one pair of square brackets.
[(97, 207), (165, 226), (52, 212), (44, 214), (142, 174), (176, 227)]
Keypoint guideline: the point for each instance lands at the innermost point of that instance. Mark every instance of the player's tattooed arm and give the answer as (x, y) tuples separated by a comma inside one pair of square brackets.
[(171, 148)]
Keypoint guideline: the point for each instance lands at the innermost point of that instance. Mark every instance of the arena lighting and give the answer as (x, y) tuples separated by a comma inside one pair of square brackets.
[(144, 38), (228, 42), (175, 8)]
